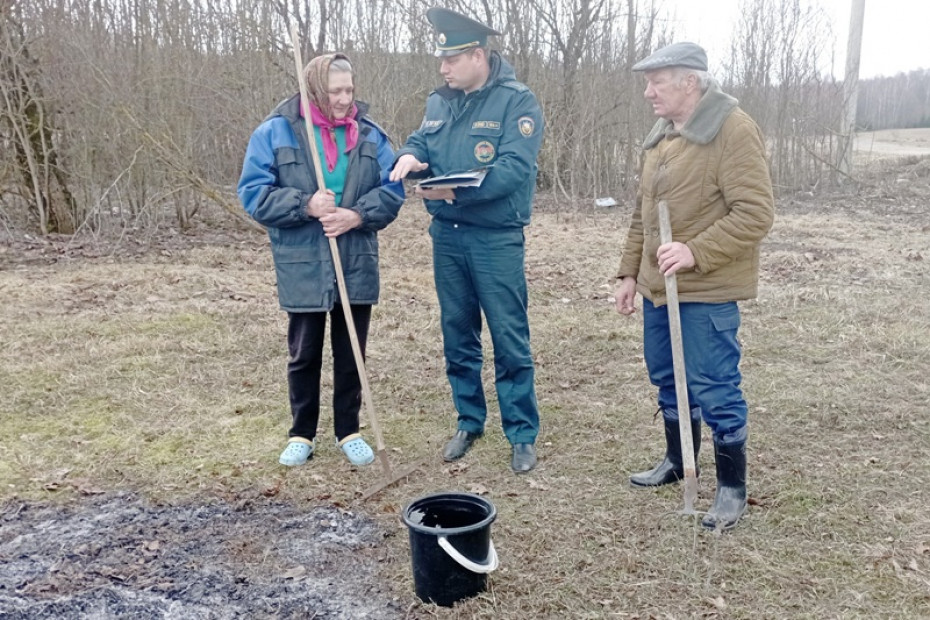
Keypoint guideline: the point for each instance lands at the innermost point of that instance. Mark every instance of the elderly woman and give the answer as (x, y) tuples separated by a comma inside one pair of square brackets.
[(278, 189)]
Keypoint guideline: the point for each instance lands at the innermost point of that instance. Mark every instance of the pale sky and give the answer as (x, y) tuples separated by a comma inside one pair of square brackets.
[(895, 34)]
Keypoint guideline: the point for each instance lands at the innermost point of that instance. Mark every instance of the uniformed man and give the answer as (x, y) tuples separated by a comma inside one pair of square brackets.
[(481, 117)]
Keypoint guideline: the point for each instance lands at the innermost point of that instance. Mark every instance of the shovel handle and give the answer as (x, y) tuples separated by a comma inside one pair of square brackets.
[(678, 362)]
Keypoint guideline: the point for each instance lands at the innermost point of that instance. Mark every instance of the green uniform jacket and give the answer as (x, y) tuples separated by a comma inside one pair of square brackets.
[(500, 125), (715, 177)]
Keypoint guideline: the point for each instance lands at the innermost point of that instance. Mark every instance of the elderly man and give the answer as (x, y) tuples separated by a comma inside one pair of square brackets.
[(481, 117), (706, 158)]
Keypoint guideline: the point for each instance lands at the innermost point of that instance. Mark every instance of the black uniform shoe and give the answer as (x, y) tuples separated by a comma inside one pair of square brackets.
[(524, 457), (730, 499), (456, 447)]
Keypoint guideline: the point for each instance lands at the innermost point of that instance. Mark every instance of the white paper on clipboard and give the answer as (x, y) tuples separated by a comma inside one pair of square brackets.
[(468, 178)]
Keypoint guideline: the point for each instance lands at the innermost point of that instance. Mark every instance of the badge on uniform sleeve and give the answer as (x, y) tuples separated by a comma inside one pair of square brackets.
[(484, 151), (527, 125)]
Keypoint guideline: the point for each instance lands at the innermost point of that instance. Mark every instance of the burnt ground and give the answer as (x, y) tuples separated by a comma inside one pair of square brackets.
[(117, 556)]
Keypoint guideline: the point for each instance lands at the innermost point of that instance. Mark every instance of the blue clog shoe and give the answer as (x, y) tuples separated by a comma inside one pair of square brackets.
[(356, 450), (297, 452)]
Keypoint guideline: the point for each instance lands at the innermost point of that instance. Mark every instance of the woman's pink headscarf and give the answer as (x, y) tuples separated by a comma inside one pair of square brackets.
[(316, 76)]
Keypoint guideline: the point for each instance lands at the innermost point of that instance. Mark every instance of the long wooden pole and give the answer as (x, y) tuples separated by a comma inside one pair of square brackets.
[(681, 378), (337, 265)]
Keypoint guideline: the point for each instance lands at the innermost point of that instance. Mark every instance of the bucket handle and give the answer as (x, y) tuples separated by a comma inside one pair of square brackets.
[(465, 562)]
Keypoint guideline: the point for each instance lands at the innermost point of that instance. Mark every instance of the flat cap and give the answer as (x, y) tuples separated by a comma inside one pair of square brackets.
[(456, 33), (690, 55)]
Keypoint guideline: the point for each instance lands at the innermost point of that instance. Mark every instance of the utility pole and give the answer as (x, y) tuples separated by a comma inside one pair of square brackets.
[(851, 86), (629, 158)]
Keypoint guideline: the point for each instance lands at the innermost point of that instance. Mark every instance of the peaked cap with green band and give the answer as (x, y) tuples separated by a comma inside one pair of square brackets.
[(456, 33)]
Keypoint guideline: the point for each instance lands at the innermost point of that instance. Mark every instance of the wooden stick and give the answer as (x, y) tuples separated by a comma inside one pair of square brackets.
[(678, 361)]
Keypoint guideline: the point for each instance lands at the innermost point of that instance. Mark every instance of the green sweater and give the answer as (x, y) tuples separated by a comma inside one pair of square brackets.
[(335, 180)]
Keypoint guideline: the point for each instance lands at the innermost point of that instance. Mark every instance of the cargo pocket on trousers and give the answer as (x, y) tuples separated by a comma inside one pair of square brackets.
[(723, 346)]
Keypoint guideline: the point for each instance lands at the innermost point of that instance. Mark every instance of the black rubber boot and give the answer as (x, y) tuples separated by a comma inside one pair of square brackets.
[(730, 499), (671, 469)]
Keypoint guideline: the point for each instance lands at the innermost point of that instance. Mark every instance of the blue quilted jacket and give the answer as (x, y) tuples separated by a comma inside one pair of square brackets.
[(277, 181)]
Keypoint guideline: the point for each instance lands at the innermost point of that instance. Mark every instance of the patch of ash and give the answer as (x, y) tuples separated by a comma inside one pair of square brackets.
[(118, 556)]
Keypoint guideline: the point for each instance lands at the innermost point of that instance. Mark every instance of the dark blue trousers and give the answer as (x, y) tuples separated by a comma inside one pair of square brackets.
[(712, 355)]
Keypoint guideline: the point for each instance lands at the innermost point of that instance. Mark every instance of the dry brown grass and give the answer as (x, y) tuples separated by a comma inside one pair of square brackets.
[(164, 374)]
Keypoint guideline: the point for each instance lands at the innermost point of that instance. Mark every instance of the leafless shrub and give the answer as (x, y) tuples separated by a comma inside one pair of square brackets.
[(775, 71)]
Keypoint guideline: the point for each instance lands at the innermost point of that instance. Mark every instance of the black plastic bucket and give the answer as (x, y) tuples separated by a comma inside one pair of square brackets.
[(450, 546)]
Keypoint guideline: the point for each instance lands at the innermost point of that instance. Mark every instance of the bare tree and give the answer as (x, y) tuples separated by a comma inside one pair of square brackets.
[(774, 71), (901, 100), (28, 126), (136, 113)]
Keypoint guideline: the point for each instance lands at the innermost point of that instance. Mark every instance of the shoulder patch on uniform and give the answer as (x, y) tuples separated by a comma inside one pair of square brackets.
[(427, 124), (527, 125)]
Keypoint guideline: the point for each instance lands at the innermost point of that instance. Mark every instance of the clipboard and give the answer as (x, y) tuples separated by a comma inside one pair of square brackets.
[(452, 180)]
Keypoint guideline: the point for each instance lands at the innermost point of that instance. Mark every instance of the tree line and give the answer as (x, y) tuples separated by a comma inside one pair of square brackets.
[(135, 113), (900, 101)]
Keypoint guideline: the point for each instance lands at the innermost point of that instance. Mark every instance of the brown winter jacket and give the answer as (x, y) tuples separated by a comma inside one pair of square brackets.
[(715, 178)]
